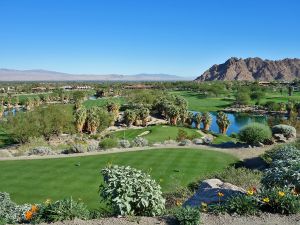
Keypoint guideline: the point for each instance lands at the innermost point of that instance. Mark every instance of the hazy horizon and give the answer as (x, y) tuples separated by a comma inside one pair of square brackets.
[(175, 37)]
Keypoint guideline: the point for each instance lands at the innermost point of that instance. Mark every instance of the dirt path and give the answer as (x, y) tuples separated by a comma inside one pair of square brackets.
[(265, 219), (240, 153)]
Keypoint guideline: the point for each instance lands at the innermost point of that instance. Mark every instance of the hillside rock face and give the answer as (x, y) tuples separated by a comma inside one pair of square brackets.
[(252, 69)]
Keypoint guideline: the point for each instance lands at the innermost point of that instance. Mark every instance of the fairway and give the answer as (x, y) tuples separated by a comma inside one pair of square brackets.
[(198, 102), (33, 181), (156, 134), (103, 101)]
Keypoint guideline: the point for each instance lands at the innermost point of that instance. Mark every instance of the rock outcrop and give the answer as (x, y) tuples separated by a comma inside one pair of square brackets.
[(208, 192), (252, 69)]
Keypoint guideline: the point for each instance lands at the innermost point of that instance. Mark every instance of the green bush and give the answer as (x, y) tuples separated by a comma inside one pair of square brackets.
[(188, 216), (66, 209), (108, 143), (131, 192), (242, 205), (255, 133), (277, 200)]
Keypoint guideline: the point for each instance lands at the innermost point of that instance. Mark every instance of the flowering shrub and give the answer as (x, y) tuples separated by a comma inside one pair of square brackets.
[(187, 216), (66, 209), (139, 142), (131, 192), (243, 204), (283, 201)]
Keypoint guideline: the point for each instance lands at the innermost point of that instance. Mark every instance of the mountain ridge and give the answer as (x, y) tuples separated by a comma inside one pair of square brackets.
[(253, 69), (47, 75)]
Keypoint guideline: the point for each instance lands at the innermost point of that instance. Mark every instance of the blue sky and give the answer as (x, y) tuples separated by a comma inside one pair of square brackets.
[(182, 37)]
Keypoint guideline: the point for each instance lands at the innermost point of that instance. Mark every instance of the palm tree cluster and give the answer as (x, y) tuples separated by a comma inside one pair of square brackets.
[(198, 118), (137, 116), (92, 120), (173, 108)]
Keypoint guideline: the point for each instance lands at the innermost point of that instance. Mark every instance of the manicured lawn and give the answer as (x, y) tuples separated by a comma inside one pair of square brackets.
[(200, 103), (34, 181), (103, 101), (157, 133)]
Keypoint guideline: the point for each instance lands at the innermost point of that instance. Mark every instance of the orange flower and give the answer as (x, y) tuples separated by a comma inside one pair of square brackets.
[(34, 209), (28, 215), (220, 194)]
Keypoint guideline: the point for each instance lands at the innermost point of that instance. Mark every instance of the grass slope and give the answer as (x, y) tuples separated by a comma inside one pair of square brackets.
[(157, 133), (36, 180)]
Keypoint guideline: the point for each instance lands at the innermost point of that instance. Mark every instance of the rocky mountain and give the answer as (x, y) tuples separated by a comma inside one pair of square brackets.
[(44, 75), (251, 69)]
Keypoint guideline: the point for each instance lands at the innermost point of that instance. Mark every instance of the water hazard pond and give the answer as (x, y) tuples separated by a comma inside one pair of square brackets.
[(237, 121)]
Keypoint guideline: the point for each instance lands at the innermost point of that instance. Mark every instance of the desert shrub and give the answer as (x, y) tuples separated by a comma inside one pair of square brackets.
[(124, 143), (66, 209), (187, 216), (283, 152), (255, 133), (242, 177), (139, 142), (131, 192), (77, 148), (242, 98), (8, 212), (286, 130), (282, 173), (277, 200), (185, 142), (41, 150), (92, 148), (108, 143), (242, 205), (181, 135), (272, 106), (42, 122)]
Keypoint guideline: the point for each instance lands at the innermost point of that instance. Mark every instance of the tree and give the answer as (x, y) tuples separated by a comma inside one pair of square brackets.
[(290, 89), (80, 118), (190, 118), (92, 121), (173, 113), (144, 114), (129, 117), (223, 122), (28, 103), (242, 98), (113, 108), (206, 120), (197, 119)]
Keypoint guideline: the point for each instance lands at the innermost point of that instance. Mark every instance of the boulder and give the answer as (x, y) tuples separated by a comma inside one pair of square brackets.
[(280, 138), (208, 192), (198, 141)]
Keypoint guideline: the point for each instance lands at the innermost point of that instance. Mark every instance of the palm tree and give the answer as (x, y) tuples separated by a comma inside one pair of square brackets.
[(144, 114), (190, 118), (197, 119), (223, 122), (1, 110), (80, 118), (92, 120), (206, 120), (129, 117), (28, 104), (113, 108), (173, 113)]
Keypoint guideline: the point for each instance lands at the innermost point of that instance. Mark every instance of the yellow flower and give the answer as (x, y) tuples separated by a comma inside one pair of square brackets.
[(48, 201), (250, 192), (266, 200), (281, 193), (220, 194), (178, 203)]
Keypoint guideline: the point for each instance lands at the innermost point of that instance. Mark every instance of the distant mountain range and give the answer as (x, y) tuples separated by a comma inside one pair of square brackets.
[(252, 69), (44, 75)]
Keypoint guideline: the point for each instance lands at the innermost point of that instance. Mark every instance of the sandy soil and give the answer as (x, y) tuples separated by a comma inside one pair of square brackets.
[(265, 219)]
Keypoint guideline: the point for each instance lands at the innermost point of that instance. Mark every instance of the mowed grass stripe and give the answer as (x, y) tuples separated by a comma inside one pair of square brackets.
[(34, 181)]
